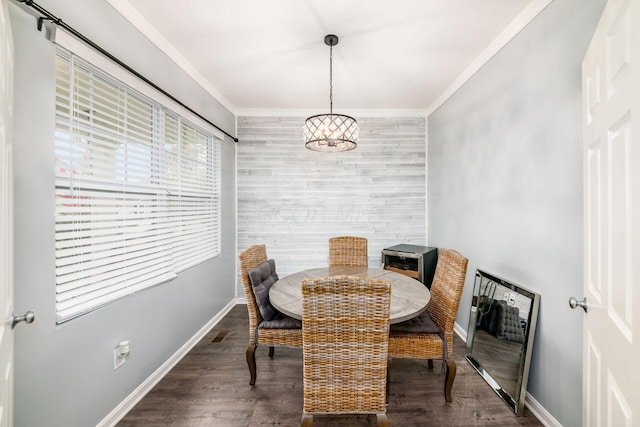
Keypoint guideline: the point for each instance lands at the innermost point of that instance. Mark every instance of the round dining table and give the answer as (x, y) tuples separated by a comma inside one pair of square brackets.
[(409, 297)]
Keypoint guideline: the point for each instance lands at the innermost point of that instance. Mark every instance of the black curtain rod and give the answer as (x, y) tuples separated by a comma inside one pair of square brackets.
[(48, 16)]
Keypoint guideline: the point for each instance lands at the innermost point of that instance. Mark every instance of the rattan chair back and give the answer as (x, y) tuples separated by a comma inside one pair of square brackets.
[(348, 251), (446, 292), (251, 257), (345, 332)]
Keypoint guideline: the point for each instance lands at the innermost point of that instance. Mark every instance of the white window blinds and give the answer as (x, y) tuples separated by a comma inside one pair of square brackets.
[(137, 190)]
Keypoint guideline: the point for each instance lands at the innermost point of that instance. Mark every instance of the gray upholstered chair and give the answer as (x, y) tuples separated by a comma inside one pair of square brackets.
[(266, 326)]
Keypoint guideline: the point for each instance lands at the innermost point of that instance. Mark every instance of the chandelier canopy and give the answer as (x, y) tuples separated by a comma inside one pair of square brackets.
[(331, 132)]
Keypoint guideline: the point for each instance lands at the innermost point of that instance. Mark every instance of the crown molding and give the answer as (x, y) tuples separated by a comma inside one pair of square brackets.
[(283, 112), (153, 35), (518, 24)]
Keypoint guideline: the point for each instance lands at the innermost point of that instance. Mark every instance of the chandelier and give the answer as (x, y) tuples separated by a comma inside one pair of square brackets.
[(330, 132)]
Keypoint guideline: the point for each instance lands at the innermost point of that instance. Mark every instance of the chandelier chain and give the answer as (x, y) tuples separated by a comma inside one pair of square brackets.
[(331, 79)]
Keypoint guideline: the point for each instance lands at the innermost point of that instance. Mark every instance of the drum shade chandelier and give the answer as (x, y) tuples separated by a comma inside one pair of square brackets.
[(331, 132)]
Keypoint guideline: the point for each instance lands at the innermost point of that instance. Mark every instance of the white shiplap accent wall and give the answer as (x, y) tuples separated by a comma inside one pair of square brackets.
[(293, 199)]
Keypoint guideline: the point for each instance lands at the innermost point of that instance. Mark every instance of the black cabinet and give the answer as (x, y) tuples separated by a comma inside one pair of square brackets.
[(418, 262)]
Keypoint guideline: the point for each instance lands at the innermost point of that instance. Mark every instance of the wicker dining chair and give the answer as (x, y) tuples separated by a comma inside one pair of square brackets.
[(348, 251), (430, 335), (282, 332), (345, 334)]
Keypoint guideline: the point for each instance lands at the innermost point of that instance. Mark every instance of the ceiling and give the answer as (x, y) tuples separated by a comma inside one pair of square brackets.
[(257, 55)]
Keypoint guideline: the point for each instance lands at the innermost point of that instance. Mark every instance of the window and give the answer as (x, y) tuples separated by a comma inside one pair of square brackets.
[(137, 190)]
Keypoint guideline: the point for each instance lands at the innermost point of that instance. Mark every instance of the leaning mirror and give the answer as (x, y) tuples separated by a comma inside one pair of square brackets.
[(502, 326)]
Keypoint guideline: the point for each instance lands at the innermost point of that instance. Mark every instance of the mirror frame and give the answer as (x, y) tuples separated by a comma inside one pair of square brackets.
[(516, 403)]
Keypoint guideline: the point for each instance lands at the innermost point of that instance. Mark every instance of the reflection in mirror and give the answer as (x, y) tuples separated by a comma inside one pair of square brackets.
[(500, 336)]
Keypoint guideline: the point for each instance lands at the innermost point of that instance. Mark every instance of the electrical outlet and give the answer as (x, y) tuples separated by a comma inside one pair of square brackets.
[(117, 360), (512, 298)]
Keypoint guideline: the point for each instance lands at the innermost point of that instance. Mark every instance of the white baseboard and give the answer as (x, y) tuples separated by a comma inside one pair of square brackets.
[(530, 402), (460, 331), (130, 401), (540, 412)]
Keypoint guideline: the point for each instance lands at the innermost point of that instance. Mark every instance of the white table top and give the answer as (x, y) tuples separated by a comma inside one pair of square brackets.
[(409, 297)]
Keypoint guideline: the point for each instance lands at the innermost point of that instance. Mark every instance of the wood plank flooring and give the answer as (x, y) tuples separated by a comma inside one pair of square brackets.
[(210, 387)]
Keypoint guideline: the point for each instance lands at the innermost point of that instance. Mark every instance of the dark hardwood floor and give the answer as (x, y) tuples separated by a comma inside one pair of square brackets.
[(210, 387)]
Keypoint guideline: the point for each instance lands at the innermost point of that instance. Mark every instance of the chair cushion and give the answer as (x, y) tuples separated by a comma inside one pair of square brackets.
[(509, 326), (503, 321), (261, 278), (281, 321), (422, 324)]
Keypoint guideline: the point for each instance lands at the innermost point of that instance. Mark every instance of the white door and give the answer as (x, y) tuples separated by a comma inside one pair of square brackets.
[(6, 215), (611, 150)]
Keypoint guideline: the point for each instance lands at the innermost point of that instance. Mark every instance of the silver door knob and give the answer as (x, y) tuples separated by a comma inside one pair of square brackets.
[(28, 317), (573, 303)]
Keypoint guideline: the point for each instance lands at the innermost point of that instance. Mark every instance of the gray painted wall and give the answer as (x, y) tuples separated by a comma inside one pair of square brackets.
[(293, 199), (505, 185), (64, 374), (504, 188)]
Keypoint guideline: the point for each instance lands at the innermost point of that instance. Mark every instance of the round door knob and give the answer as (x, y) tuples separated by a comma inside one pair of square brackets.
[(574, 303), (28, 317)]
